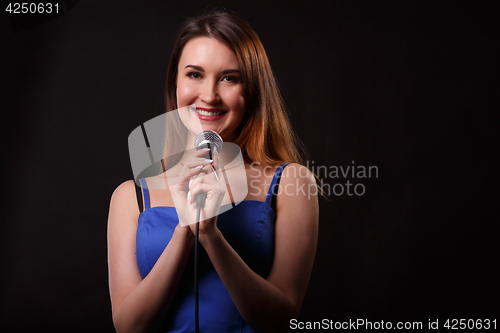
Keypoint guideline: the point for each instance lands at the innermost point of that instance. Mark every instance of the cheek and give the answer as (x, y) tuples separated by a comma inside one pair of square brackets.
[(184, 94), (235, 99)]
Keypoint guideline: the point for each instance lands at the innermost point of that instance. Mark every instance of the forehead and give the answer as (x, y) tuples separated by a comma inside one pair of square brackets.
[(208, 52)]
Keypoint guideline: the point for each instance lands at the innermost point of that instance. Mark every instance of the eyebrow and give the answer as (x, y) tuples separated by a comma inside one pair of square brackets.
[(227, 71)]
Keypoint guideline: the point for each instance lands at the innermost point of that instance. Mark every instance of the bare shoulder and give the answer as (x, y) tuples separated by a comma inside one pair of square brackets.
[(124, 192), (297, 189), (124, 201), (297, 174)]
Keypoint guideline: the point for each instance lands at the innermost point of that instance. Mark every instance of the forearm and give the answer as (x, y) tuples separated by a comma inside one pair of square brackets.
[(262, 305), (141, 309)]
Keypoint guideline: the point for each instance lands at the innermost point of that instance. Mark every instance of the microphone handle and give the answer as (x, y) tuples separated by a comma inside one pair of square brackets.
[(200, 200), (201, 197)]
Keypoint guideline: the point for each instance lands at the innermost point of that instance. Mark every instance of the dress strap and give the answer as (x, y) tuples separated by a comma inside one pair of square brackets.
[(273, 188), (145, 193), (138, 193)]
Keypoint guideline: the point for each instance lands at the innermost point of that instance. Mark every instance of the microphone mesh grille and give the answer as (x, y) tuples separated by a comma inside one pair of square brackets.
[(210, 137)]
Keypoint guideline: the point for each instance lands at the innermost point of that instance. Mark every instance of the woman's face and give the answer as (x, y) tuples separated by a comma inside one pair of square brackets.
[(209, 77)]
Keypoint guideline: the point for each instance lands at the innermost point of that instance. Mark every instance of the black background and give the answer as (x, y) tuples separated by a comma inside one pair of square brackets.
[(408, 86)]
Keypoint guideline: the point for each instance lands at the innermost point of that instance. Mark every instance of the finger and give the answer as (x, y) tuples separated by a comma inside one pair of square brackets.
[(204, 178), (195, 180), (212, 176), (201, 152), (196, 153), (199, 175), (192, 167), (188, 173), (197, 161), (215, 157), (209, 189)]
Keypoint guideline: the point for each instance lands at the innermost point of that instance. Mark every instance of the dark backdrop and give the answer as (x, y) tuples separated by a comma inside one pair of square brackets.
[(409, 87)]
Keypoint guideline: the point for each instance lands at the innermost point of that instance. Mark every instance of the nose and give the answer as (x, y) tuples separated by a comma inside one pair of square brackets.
[(209, 93)]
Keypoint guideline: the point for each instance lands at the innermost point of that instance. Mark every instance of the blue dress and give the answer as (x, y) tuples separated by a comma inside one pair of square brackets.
[(247, 227)]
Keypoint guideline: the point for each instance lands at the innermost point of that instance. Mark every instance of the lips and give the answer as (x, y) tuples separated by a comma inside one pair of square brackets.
[(210, 114)]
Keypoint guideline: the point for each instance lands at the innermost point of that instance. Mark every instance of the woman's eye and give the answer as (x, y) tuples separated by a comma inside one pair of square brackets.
[(194, 75), (230, 78)]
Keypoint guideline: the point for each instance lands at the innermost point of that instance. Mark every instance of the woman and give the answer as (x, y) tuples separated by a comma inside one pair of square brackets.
[(257, 256)]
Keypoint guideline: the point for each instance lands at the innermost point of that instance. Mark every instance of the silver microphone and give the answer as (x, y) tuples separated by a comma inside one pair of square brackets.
[(212, 140), (208, 139)]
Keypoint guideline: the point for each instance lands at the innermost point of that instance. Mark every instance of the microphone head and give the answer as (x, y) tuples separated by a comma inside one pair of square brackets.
[(208, 137)]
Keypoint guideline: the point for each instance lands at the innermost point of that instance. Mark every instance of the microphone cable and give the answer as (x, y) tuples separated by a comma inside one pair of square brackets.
[(200, 202), (211, 140), (196, 298)]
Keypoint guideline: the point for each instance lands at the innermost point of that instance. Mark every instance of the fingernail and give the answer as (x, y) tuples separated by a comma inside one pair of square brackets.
[(190, 181), (189, 196), (209, 161), (206, 149), (199, 167)]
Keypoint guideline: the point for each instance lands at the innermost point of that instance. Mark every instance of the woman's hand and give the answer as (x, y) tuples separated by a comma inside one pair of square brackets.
[(209, 184), (197, 176)]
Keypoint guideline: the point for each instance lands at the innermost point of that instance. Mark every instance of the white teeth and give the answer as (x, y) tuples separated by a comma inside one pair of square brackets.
[(208, 113)]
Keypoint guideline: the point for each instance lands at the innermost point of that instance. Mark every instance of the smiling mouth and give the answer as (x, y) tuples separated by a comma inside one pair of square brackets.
[(209, 113)]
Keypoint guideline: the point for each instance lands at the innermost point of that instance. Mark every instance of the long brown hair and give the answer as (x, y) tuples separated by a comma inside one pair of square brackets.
[(265, 135)]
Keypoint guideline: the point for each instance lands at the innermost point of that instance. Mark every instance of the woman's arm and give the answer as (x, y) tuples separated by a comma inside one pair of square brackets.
[(137, 303), (267, 305)]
